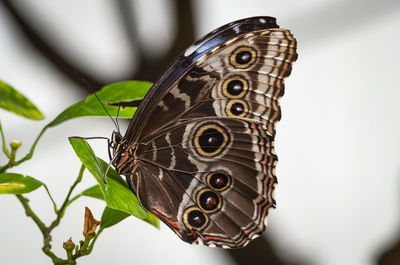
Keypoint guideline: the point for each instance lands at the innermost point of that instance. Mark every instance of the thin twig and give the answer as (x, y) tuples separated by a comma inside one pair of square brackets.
[(60, 213), (45, 231), (94, 240), (37, 39), (51, 198), (47, 250), (3, 143), (5, 167), (29, 212), (11, 163), (74, 198), (87, 245), (32, 150)]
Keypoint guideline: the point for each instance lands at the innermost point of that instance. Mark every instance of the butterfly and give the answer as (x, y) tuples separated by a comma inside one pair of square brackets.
[(199, 151)]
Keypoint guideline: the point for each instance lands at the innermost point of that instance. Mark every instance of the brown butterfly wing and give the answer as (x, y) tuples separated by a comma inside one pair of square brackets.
[(215, 194), (205, 148)]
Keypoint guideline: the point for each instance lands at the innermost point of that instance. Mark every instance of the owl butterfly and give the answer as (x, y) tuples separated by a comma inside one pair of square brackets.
[(199, 152)]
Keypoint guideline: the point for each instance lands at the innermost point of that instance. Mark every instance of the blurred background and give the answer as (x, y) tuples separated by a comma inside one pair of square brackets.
[(338, 142)]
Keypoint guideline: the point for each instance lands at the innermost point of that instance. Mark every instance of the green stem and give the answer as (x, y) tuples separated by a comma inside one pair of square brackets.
[(74, 198), (29, 212), (46, 233), (3, 143), (11, 163), (32, 150), (87, 245), (69, 250), (51, 198), (61, 211), (89, 241), (5, 167), (47, 250), (94, 240)]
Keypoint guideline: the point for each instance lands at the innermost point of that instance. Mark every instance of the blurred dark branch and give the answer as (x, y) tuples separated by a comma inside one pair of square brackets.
[(151, 68), (391, 256), (39, 43)]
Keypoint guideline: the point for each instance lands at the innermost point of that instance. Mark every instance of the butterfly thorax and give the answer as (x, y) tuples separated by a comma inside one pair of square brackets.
[(124, 154)]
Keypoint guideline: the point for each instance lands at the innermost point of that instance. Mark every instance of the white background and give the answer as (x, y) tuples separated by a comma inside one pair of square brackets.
[(338, 142)]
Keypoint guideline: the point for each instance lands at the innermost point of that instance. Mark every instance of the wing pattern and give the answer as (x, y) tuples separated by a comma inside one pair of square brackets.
[(201, 147)]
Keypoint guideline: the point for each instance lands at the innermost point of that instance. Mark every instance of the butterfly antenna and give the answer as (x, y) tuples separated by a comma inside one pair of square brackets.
[(116, 118), (104, 107)]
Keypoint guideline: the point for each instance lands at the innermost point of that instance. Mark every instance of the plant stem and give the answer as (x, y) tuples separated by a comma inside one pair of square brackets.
[(11, 163), (87, 244), (74, 199), (61, 211), (51, 198), (29, 212), (46, 234), (47, 250), (30, 154), (94, 240), (5, 167), (3, 143)]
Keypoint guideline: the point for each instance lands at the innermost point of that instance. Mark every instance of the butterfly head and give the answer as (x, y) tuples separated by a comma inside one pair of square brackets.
[(117, 143), (116, 138), (123, 159)]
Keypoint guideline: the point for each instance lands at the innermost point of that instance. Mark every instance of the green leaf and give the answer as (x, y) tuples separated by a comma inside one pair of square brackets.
[(116, 192), (118, 92), (12, 183), (153, 220), (14, 101), (94, 192), (115, 93), (112, 217)]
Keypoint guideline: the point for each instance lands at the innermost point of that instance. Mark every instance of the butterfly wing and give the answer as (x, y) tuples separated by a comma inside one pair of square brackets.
[(215, 192), (185, 68), (205, 134)]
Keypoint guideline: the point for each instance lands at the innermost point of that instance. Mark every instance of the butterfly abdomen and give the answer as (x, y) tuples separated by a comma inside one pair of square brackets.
[(125, 161)]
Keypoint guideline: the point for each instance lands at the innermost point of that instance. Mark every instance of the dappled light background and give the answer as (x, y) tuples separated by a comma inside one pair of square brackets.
[(338, 142)]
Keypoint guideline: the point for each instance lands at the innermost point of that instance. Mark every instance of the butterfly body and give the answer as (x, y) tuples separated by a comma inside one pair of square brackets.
[(199, 152)]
